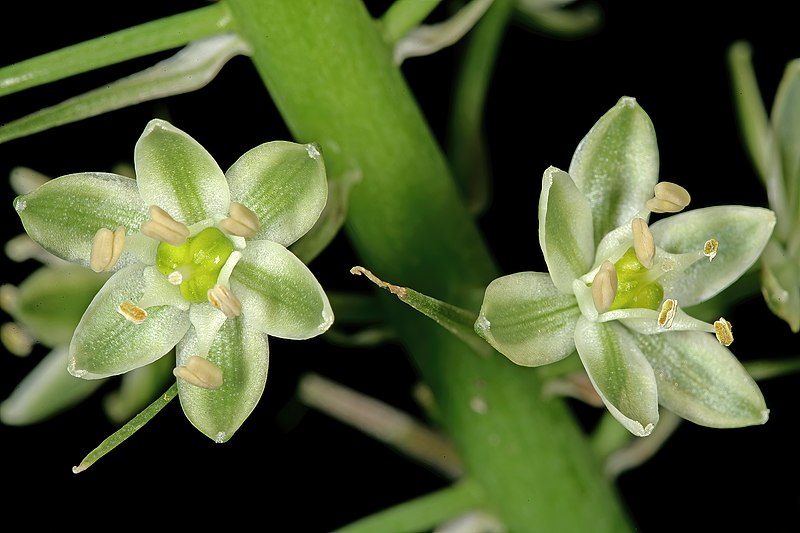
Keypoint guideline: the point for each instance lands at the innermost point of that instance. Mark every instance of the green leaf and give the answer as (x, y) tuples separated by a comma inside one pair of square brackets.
[(190, 69), (46, 391), (742, 233), (616, 165), (126, 431), (178, 175), (565, 229), (456, 320), (106, 343), (284, 184), (137, 41), (243, 356), (279, 294), (701, 380), (64, 214), (524, 317), (620, 373), (51, 301)]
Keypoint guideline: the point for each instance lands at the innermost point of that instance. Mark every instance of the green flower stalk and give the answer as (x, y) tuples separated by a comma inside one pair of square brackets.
[(199, 264), (617, 286)]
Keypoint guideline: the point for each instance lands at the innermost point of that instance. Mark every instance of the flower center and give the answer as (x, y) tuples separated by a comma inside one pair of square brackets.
[(636, 288), (195, 265)]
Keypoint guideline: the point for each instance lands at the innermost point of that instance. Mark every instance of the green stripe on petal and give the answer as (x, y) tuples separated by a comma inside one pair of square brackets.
[(284, 184), (616, 165), (279, 294), (565, 229), (243, 356), (178, 175), (64, 214), (742, 233), (620, 373), (106, 343), (701, 380), (524, 317)]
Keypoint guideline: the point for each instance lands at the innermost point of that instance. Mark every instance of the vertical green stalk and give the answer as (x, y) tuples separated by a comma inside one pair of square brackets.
[(332, 77)]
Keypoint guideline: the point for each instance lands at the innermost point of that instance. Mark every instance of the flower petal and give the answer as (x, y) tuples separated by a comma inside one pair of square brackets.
[(701, 380), (742, 233), (106, 343), (620, 373), (243, 356), (279, 294), (616, 165), (64, 214), (178, 175), (46, 391), (565, 229), (525, 318), (284, 184)]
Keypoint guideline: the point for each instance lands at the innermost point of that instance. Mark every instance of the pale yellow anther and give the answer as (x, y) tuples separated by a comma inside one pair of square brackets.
[(242, 222), (604, 287), (667, 313), (643, 243), (200, 372), (710, 249), (222, 298), (132, 312), (668, 198), (673, 193), (175, 277), (722, 329), (163, 227), (106, 249)]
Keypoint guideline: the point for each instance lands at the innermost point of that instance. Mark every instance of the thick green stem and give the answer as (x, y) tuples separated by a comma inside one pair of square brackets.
[(331, 75)]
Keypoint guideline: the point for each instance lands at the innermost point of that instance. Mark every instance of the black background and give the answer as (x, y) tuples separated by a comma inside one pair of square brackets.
[(290, 469)]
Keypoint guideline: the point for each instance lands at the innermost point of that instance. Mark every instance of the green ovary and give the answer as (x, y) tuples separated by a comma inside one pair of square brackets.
[(198, 260), (634, 289)]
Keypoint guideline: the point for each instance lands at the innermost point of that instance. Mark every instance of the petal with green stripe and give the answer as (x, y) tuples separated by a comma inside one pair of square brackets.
[(64, 214), (243, 356), (742, 233), (284, 184), (620, 373), (524, 317), (701, 380), (178, 175), (565, 229), (106, 343), (279, 294), (616, 165)]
